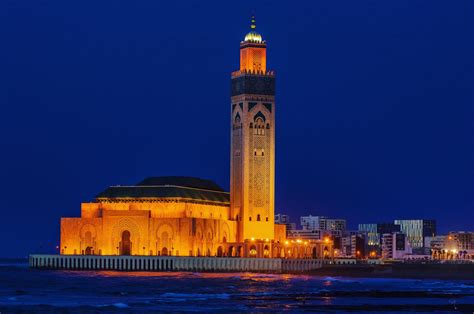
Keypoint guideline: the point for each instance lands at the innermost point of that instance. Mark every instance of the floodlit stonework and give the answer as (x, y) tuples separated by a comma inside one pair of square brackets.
[(184, 216)]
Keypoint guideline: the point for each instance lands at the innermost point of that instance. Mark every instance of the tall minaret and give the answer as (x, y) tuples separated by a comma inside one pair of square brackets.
[(252, 182)]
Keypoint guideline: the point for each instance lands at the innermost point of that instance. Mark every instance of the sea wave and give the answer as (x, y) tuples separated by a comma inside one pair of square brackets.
[(194, 296)]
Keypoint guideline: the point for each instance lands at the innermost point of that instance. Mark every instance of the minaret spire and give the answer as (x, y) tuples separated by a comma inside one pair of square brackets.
[(253, 24)]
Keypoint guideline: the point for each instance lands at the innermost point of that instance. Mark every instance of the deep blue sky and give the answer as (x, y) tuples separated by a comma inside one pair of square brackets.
[(374, 105)]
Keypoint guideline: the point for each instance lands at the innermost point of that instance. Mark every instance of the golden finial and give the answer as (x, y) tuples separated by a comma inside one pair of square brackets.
[(253, 25)]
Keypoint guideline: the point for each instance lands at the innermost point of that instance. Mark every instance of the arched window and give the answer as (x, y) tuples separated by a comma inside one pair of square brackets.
[(258, 217), (259, 128), (250, 218), (237, 118), (237, 123)]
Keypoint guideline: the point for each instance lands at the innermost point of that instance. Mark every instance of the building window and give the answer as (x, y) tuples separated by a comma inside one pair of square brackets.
[(259, 152), (266, 219), (259, 128), (258, 217), (250, 218)]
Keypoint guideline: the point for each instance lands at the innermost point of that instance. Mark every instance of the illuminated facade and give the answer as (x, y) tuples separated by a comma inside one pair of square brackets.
[(416, 230), (184, 216), (253, 141)]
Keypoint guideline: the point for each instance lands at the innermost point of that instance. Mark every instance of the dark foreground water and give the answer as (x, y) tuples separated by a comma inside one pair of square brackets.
[(41, 291)]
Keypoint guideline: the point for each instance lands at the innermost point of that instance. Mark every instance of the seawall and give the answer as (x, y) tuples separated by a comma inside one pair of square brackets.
[(400, 270), (173, 263)]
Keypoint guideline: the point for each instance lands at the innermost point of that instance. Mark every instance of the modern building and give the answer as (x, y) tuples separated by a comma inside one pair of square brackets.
[(416, 230), (322, 223), (387, 227), (395, 246), (359, 248), (373, 237), (185, 216), (310, 222), (435, 243), (459, 241), (305, 234), (464, 240), (282, 219), (285, 220), (375, 231), (345, 249)]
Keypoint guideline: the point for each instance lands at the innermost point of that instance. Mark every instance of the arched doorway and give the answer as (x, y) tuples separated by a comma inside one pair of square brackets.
[(125, 244), (164, 251), (266, 251), (220, 252), (253, 251), (315, 253), (230, 251), (88, 243)]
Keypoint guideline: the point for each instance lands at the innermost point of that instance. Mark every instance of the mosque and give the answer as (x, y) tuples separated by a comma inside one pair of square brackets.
[(186, 216)]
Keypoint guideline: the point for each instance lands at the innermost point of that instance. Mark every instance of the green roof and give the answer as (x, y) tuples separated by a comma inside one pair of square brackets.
[(185, 188), (190, 182)]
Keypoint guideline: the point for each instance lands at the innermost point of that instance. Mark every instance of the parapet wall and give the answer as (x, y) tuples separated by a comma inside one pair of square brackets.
[(172, 263)]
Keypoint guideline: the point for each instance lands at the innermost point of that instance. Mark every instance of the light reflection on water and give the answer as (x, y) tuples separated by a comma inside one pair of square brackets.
[(21, 288)]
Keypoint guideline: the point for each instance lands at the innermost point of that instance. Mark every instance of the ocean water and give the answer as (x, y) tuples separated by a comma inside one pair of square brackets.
[(46, 291)]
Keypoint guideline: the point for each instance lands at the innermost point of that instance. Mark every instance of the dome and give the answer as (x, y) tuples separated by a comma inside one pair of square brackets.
[(253, 36)]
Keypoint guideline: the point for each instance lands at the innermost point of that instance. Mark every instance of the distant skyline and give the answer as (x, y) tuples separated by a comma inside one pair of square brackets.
[(374, 106)]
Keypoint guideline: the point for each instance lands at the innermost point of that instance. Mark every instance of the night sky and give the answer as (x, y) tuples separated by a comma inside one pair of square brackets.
[(374, 105)]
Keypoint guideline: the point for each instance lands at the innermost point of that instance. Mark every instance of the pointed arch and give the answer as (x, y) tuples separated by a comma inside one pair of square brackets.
[(237, 118), (259, 115)]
